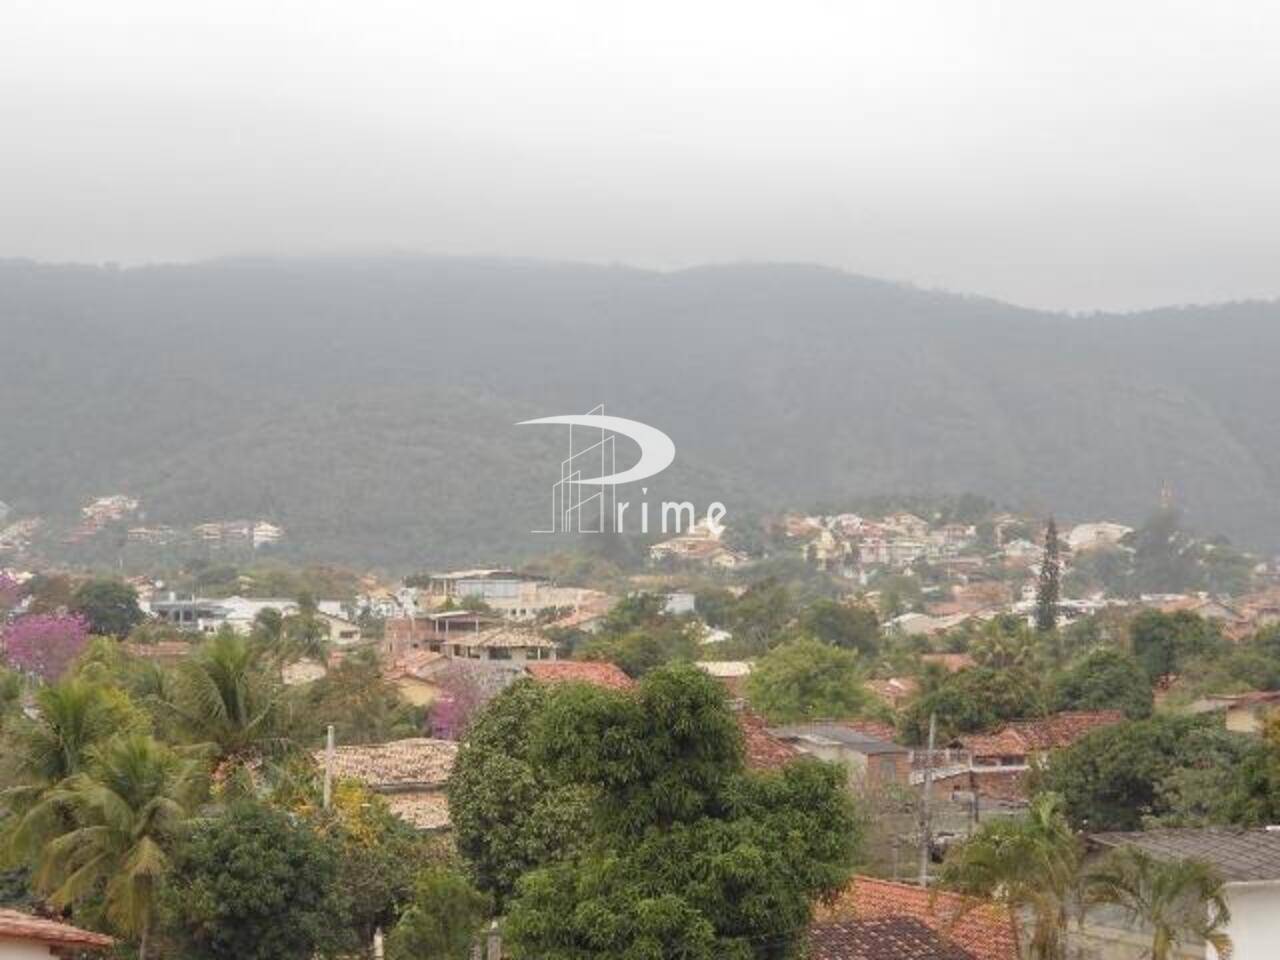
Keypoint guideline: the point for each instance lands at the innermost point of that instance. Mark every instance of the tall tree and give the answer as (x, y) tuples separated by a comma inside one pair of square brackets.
[(110, 607), (690, 856), (127, 812), (1179, 901), (442, 920), (225, 698), (805, 679), (1032, 864), (255, 884), (1050, 591)]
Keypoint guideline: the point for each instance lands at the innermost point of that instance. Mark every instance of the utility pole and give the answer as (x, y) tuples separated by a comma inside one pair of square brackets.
[(328, 768), (924, 804)]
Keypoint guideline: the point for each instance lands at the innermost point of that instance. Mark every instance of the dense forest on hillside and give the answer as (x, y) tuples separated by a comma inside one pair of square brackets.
[(369, 405)]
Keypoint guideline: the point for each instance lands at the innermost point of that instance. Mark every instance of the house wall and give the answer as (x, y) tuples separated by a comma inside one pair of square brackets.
[(23, 950), (1255, 922)]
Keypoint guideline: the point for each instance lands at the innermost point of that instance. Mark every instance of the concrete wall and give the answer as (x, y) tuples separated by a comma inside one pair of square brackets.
[(1255, 922), (23, 950)]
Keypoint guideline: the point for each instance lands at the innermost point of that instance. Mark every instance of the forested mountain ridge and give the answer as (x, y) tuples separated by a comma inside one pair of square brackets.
[(369, 405)]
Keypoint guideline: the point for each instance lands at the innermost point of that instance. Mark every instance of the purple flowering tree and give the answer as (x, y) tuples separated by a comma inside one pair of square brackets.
[(463, 692), (44, 644)]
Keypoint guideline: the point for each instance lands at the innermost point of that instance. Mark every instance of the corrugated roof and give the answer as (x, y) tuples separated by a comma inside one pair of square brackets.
[(1240, 856)]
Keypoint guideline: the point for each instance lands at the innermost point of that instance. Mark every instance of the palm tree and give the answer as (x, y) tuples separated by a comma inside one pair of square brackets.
[(54, 743), (1033, 864), (1178, 900), (126, 812), (225, 698)]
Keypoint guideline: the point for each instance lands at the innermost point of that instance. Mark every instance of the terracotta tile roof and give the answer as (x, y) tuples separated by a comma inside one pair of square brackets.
[(763, 751), (1064, 729), (417, 761), (15, 925), (887, 938), (986, 930), (1050, 733), (506, 636), (425, 810), (599, 674)]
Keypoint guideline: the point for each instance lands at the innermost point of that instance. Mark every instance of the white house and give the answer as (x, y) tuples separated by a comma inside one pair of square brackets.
[(1247, 860)]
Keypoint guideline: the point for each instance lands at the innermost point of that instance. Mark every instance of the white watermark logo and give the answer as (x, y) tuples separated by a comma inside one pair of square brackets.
[(585, 498)]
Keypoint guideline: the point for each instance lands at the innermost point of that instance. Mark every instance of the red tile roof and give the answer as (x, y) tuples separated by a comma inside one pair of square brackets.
[(887, 938), (599, 674), (15, 925), (763, 751), (1050, 733), (986, 930)]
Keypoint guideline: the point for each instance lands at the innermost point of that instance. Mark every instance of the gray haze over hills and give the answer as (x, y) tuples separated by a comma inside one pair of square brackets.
[(1064, 155), (369, 405)]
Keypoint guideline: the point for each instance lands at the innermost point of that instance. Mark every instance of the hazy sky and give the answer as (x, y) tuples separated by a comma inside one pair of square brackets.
[(1078, 154)]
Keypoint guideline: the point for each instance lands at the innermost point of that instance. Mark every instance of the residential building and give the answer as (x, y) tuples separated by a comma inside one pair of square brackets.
[(26, 937), (210, 615), (506, 644), (341, 631), (1242, 712), (871, 763), (1248, 862), (1092, 536), (1023, 742)]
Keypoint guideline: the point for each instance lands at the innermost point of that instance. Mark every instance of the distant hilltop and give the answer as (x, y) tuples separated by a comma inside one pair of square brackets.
[(367, 406)]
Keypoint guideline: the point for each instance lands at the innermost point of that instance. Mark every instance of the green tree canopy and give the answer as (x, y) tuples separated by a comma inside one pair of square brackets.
[(851, 626), (1118, 776), (255, 884), (1103, 679), (1163, 642), (442, 920), (509, 815), (110, 607), (972, 700), (691, 856), (804, 679)]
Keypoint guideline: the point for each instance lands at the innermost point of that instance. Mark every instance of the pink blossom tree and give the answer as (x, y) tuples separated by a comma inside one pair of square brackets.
[(463, 691), (44, 644)]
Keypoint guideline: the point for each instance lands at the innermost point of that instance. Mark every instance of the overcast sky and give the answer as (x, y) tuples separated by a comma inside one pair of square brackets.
[(1084, 154)]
